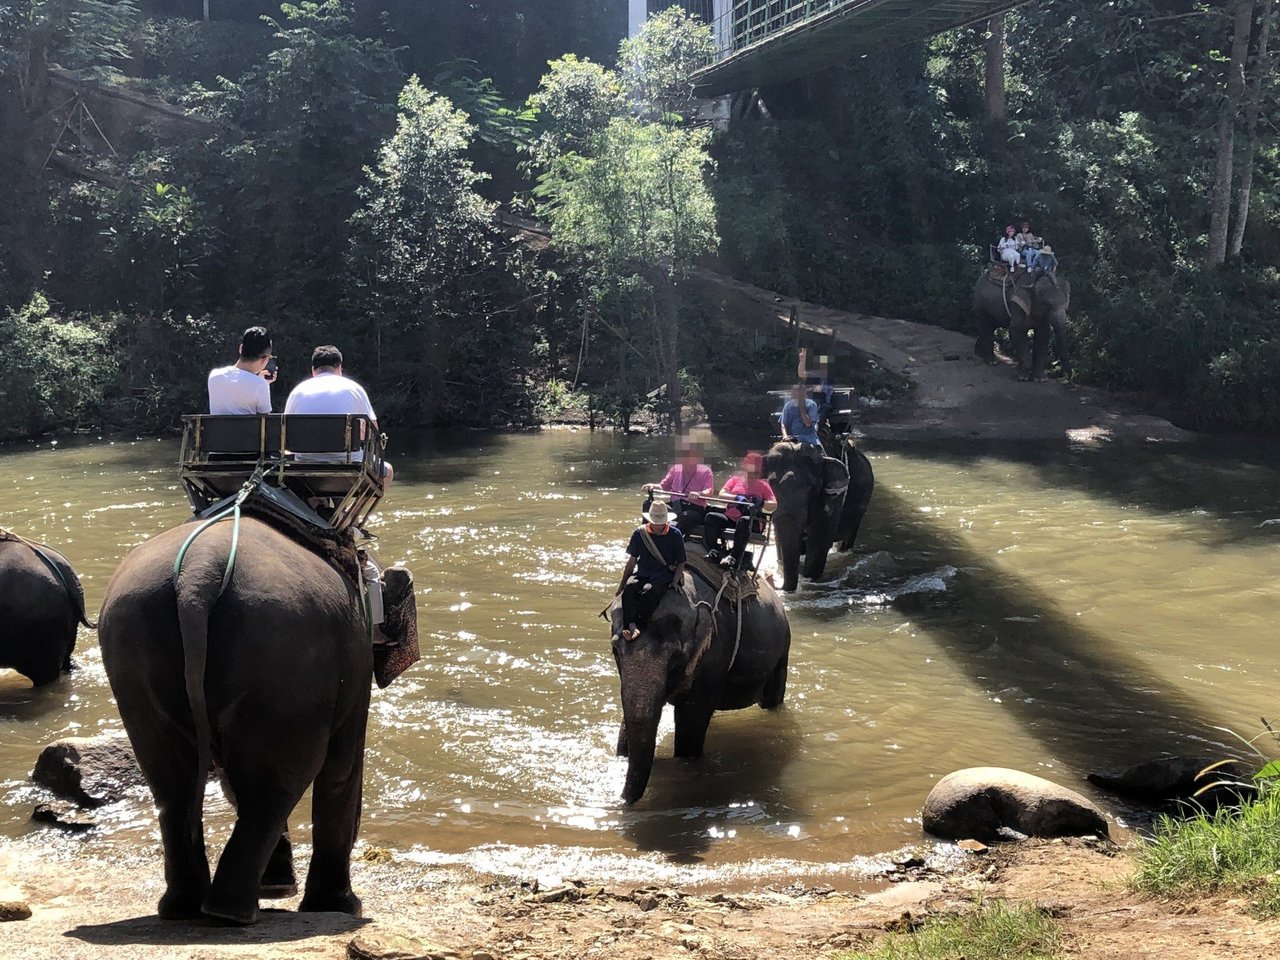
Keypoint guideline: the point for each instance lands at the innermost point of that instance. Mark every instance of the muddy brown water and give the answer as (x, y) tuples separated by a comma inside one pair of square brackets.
[(1054, 608)]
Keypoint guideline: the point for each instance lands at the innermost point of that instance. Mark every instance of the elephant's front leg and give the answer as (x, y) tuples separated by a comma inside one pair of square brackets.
[(1019, 342), (984, 346), (1059, 321), (692, 719), (335, 813), (1040, 352)]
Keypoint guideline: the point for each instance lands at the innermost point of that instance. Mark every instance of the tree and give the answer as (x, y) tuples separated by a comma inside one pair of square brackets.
[(1258, 90), (995, 69), (1220, 199), (421, 240)]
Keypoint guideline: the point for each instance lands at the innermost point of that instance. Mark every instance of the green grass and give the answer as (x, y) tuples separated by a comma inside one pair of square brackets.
[(1234, 851), (994, 930)]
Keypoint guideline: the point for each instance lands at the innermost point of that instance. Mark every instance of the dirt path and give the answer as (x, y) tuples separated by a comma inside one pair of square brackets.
[(90, 909), (955, 394)]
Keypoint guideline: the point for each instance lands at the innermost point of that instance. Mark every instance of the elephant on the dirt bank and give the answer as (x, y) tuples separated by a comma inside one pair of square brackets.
[(41, 605), (268, 679), (821, 501), (1030, 303), (692, 656)]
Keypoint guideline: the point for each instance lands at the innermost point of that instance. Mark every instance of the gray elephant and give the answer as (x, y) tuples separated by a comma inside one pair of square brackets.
[(862, 483), (811, 490), (1032, 304), (694, 658), (268, 678), (41, 605)]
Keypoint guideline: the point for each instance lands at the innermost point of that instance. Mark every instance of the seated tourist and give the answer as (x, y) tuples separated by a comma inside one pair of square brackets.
[(1029, 245), (687, 481), (244, 388), (655, 563), (1008, 248), (799, 419), (328, 391), (747, 486)]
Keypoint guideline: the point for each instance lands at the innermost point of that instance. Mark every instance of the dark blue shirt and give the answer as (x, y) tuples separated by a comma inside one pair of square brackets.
[(669, 544)]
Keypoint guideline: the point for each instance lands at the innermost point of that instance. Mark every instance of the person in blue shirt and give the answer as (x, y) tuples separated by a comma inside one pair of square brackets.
[(655, 563), (800, 418)]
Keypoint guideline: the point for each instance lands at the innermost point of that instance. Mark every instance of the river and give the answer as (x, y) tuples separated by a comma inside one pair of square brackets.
[(1054, 608)]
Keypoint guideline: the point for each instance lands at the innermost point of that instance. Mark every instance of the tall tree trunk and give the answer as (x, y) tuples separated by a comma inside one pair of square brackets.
[(1220, 199), (1253, 110), (995, 70)]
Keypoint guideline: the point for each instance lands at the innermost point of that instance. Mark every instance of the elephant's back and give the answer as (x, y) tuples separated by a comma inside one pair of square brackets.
[(29, 590)]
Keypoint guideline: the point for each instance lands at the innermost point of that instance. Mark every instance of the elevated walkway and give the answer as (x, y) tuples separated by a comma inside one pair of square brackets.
[(765, 41)]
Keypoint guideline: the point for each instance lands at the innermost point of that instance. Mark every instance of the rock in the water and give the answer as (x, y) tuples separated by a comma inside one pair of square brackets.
[(65, 815), (1176, 778), (988, 803), (89, 771), (14, 910), (390, 945)]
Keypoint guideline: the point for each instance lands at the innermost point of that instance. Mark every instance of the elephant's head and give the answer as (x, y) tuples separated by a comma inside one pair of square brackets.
[(654, 668), (810, 489), (400, 623)]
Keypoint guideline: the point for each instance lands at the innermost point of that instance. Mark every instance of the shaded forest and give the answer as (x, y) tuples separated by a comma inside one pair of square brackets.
[(351, 172)]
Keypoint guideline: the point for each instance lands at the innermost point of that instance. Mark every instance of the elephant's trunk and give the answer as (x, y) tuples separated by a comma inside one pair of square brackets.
[(788, 535), (643, 694)]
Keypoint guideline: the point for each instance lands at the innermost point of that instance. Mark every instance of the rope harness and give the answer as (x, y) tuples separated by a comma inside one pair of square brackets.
[(233, 511), (691, 667)]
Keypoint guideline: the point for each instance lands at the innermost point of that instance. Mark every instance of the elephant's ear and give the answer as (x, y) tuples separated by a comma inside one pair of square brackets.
[(835, 477)]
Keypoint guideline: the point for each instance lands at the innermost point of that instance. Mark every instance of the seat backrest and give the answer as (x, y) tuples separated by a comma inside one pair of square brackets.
[(325, 433), (249, 435)]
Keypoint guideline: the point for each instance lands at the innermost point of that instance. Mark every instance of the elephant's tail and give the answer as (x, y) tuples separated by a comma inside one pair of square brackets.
[(196, 598)]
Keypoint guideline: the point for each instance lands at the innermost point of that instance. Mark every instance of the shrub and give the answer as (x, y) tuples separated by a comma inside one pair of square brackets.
[(992, 931)]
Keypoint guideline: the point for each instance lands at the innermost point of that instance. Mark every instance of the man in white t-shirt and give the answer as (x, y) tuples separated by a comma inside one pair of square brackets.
[(245, 386), (328, 391)]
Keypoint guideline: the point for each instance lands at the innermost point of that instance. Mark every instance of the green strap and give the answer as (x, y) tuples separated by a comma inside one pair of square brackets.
[(232, 511)]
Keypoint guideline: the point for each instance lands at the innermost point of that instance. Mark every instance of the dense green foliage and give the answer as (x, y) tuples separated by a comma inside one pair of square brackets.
[(993, 930), (1232, 850), (878, 185), (301, 177)]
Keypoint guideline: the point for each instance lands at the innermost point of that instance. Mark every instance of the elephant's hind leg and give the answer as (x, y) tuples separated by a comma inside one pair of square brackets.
[(775, 688), (335, 814), (692, 721)]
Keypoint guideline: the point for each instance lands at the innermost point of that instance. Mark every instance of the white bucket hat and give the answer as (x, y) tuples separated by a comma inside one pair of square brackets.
[(658, 513)]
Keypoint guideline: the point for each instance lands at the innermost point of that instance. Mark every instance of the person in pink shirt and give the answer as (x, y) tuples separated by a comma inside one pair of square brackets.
[(688, 481), (749, 487)]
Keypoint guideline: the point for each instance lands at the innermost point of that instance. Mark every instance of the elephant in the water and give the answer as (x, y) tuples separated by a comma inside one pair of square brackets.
[(269, 679), (1031, 303), (692, 657), (811, 490), (862, 483), (41, 605)]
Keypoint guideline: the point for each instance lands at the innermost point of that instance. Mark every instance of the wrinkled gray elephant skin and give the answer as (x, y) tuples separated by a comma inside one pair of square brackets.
[(269, 680), (811, 489), (41, 604), (687, 657), (1032, 307)]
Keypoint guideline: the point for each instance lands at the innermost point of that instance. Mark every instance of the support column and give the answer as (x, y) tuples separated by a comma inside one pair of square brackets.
[(637, 14)]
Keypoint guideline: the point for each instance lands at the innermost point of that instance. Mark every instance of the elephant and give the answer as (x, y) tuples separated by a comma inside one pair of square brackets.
[(41, 606), (862, 482), (812, 491), (1032, 303), (268, 677), (693, 657)]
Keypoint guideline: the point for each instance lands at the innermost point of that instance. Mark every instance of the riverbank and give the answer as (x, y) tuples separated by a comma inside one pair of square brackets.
[(953, 394), (84, 909)]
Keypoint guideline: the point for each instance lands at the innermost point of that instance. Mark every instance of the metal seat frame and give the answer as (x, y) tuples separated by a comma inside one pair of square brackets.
[(218, 453)]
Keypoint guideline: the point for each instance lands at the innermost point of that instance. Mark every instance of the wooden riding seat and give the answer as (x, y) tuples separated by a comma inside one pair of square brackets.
[(320, 457)]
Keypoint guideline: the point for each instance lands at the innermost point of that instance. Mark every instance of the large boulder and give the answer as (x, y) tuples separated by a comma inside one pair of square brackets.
[(993, 803), (1178, 779), (89, 771)]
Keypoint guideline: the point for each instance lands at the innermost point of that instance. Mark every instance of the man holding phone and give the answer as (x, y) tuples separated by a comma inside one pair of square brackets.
[(245, 386)]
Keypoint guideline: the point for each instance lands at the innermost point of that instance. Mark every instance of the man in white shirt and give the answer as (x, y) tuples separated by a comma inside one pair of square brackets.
[(328, 391), (245, 386)]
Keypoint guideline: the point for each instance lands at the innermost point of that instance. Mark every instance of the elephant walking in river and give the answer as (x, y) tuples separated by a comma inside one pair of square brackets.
[(691, 654), (1030, 305), (269, 678), (41, 607)]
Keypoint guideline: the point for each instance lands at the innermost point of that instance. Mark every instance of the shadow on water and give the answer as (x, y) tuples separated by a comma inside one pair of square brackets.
[(1089, 702), (275, 926), (737, 785), (1218, 477)]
